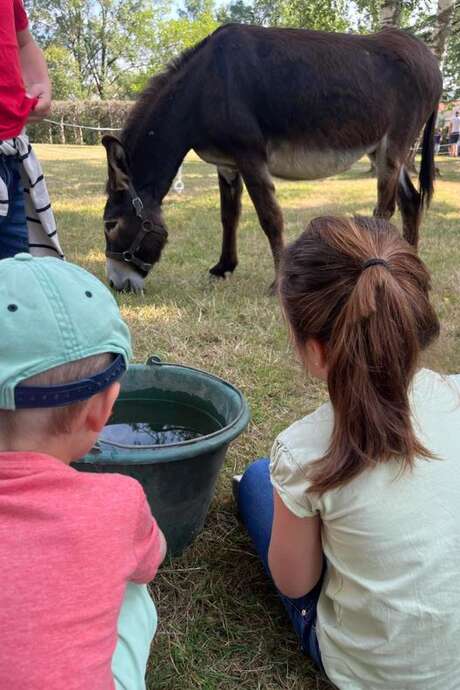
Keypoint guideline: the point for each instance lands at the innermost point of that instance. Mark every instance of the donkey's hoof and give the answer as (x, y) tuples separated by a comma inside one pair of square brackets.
[(220, 269)]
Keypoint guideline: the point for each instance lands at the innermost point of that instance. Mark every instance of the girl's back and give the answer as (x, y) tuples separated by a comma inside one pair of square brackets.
[(389, 610), (364, 540)]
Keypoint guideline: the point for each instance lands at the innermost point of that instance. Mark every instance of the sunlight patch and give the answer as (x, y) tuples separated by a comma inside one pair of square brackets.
[(143, 313)]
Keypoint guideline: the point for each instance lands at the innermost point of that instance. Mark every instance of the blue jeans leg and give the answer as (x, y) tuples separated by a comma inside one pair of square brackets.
[(13, 227), (255, 503)]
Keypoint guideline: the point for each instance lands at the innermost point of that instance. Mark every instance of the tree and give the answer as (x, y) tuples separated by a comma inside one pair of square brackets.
[(329, 15), (451, 62), (436, 29), (238, 11), (194, 9), (390, 13), (326, 15), (104, 37), (173, 36), (63, 72)]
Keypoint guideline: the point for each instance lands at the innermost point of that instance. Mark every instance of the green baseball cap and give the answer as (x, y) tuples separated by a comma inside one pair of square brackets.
[(51, 313)]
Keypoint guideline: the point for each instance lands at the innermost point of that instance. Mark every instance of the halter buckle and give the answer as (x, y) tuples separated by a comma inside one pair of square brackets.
[(138, 206)]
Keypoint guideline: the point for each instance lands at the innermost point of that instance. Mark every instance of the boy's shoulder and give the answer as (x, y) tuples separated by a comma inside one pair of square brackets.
[(45, 479), (108, 487), (86, 502)]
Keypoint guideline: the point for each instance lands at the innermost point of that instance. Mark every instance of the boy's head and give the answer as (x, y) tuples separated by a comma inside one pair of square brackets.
[(63, 347)]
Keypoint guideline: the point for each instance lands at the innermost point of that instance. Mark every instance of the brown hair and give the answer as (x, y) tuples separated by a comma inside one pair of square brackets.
[(374, 322), (54, 420)]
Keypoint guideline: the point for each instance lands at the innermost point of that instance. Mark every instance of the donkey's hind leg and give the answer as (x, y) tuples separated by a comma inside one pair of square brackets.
[(261, 189), (388, 167), (231, 188), (409, 202)]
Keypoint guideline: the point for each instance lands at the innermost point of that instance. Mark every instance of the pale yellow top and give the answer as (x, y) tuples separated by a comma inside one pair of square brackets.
[(389, 610)]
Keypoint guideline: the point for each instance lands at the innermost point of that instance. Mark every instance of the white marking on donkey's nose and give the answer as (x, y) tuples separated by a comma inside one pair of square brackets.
[(122, 277)]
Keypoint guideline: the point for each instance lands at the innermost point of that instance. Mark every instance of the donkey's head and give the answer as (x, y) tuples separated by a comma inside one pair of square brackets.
[(134, 230)]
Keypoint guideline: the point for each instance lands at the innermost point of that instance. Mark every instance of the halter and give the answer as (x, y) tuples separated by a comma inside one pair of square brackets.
[(147, 226)]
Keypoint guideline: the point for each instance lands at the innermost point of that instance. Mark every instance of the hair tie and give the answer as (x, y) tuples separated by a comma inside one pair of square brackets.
[(374, 262)]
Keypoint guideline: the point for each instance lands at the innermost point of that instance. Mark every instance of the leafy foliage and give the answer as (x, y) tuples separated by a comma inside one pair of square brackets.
[(104, 37), (63, 71), (175, 35)]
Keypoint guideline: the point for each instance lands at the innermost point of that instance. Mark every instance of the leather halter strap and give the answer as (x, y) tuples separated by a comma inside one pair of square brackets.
[(147, 226)]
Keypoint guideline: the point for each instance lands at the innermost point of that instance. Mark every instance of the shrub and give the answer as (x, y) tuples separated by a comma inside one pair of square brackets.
[(90, 113)]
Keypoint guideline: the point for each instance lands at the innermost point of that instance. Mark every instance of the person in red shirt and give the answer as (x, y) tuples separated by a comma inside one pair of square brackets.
[(25, 96)]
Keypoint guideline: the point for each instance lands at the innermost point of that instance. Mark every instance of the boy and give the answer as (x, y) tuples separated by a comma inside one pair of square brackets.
[(73, 546)]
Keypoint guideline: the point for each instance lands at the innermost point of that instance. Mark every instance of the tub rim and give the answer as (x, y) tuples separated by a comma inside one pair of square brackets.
[(119, 454)]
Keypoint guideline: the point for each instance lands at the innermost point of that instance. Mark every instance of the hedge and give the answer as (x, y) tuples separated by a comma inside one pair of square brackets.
[(90, 113)]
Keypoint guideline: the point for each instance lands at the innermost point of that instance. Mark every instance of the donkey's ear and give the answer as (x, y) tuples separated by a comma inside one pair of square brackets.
[(117, 163)]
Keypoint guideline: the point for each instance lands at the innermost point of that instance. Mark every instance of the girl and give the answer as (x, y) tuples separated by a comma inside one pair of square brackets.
[(361, 531)]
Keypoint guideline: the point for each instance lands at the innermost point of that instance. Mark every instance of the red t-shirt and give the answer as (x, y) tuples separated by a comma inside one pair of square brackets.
[(69, 543), (14, 104)]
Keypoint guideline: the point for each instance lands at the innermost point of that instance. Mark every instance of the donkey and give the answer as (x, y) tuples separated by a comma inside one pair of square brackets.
[(262, 102)]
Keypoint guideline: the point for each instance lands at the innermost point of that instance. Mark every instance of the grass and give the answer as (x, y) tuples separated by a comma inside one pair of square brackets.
[(221, 626)]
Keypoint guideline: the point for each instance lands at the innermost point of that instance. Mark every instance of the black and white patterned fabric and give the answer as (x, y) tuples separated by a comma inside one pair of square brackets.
[(41, 224)]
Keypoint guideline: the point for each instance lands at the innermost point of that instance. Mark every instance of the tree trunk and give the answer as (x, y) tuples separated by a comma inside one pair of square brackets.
[(390, 13), (437, 41)]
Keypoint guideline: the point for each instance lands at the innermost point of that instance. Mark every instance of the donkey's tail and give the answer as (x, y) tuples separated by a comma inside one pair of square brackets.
[(427, 168)]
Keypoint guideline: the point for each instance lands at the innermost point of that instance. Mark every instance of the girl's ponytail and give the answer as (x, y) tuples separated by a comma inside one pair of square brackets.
[(360, 289)]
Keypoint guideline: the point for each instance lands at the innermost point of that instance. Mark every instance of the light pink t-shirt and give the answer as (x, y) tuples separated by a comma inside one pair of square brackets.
[(69, 543)]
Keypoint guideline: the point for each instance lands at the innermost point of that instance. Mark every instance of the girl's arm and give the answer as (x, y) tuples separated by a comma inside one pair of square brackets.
[(295, 555)]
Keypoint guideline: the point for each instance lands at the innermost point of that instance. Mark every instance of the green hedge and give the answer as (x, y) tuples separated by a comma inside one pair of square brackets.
[(90, 113)]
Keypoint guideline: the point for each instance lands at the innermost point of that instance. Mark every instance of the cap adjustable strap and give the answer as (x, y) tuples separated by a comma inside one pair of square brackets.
[(28, 397)]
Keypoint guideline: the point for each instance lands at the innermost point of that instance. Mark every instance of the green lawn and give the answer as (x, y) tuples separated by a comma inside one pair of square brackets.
[(220, 624)]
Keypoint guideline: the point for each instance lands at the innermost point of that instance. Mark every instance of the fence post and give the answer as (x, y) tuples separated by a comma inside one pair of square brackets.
[(62, 128), (80, 136)]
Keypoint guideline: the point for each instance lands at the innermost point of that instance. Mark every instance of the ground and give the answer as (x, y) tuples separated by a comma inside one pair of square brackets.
[(221, 627)]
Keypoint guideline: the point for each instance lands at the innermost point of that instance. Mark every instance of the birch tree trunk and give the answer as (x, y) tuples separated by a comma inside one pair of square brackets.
[(437, 41), (390, 16)]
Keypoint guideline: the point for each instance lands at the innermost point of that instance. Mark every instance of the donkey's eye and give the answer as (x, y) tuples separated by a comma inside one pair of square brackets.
[(110, 224)]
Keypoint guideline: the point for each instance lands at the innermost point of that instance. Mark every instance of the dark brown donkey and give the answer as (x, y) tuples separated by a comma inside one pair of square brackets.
[(257, 103)]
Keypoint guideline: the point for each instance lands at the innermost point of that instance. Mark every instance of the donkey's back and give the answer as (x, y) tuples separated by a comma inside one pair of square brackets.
[(319, 89)]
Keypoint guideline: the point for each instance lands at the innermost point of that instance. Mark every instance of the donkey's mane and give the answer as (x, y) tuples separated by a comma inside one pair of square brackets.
[(142, 108)]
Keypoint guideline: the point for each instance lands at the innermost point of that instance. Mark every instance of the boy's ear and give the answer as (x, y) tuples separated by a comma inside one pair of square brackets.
[(117, 162), (100, 407)]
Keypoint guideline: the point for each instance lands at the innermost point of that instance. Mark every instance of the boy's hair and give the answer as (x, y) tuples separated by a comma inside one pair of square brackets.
[(374, 320), (54, 420)]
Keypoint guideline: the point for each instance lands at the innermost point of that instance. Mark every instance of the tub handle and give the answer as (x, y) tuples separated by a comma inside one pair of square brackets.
[(153, 360)]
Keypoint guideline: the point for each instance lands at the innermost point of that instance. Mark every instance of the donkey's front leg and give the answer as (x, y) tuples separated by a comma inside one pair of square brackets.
[(231, 188), (261, 189)]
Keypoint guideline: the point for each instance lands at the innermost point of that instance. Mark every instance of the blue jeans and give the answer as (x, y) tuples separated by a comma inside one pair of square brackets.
[(255, 503), (13, 227)]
